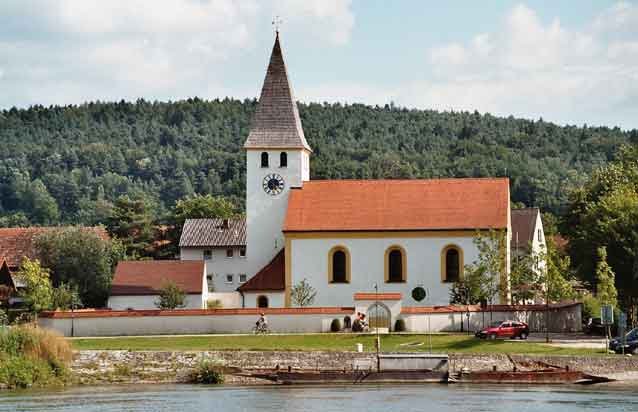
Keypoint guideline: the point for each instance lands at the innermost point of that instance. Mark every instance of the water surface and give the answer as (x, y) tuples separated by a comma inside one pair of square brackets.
[(404, 398)]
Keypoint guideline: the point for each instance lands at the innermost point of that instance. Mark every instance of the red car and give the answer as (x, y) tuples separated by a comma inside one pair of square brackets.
[(504, 329)]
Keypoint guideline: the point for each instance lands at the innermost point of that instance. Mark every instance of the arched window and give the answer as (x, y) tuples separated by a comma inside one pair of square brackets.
[(395, 264), (283, 159), (339, 265), (451, 263), (264, 159), (262, 301)]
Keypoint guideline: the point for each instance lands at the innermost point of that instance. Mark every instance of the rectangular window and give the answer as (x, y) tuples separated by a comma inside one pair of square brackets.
[(229, 278), (242, 278), (208, 254), (540, 237), (242, 252), (211, 287), (229, 253)]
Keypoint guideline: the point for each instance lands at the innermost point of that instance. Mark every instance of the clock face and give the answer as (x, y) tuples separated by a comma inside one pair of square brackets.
[(273, 184)]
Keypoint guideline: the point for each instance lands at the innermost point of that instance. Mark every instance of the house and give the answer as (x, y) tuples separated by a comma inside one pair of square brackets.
[(221, 244), (9, 284), (377, 245), (528, 236), (137, 284)]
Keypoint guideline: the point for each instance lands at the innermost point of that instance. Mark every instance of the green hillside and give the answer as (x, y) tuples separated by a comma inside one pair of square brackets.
[(67, 164)]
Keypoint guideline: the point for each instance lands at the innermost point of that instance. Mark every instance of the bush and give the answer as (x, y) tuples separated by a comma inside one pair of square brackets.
[(214, 304), (399, 325), (591, 308), (32, 357), (335, 325), (208, 372)]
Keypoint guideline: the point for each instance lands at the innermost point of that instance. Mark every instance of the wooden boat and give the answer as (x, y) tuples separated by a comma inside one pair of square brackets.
[(545, 376), (353, 377)]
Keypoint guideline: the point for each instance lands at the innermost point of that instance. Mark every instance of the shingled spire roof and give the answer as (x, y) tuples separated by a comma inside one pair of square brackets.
[(276, 123)]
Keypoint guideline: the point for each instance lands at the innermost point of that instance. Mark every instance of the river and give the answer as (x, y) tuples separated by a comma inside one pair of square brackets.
[(403, 398)]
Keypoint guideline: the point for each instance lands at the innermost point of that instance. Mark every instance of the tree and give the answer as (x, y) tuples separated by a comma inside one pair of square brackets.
[(66, 297), (303, 294), (525, 278), (131, 222), (171, 296), (555, 275), (604, 213), (486, 278), (37, 292), (80, 257), (605, 280)]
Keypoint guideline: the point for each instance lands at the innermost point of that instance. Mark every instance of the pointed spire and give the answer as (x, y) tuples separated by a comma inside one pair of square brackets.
[(276, 123)]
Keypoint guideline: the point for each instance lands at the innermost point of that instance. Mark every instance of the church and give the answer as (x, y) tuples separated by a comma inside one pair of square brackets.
[(343, 237), (354, 242)]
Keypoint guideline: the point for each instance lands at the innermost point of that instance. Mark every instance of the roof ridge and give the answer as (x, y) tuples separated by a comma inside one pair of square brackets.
[(276, 122), (315, 181)]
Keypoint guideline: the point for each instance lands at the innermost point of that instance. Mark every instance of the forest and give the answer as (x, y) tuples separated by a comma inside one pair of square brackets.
[(69, 165)]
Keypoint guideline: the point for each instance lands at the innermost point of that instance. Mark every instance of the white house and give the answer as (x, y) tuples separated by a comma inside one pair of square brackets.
[(528, 239), (345, 237), (137, 284)]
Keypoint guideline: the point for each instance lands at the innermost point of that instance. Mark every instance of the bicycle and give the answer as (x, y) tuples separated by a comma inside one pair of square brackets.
[(261, 329)]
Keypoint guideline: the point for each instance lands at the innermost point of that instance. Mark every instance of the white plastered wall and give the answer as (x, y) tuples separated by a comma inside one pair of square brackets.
[(309, 260), (219, 266), (275, 299), (141, 302), (265, 213)]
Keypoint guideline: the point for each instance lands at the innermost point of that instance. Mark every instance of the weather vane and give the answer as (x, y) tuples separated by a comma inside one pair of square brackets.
[(276, 23)]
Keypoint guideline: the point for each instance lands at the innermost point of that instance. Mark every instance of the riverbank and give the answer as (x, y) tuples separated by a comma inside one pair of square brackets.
[(124, 367)]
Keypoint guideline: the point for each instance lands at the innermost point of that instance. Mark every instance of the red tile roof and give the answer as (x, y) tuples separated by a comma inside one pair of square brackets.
[(17, 242), (382, 205), (270, 277), (147, 277), (377, 296)]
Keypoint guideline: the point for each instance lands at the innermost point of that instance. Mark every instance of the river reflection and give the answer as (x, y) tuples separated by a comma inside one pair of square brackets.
[(404, 398)]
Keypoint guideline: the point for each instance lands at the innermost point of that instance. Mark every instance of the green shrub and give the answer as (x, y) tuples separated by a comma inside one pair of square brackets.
[(399, 325), (591, 307), (24, 372), (335, 325), (214, 304), (33, 357), (208, 372)]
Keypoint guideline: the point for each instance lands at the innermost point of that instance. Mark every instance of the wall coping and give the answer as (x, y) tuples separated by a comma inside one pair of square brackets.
[(377, 296)]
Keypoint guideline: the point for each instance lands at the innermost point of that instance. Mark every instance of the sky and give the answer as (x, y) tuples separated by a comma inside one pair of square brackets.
[(570, 62)]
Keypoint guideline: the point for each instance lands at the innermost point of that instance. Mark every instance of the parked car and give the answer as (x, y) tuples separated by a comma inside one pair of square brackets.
[(504, 329), (595, 327), (631, 343)]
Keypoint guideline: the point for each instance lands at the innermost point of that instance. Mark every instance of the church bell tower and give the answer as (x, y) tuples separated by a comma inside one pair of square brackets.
[(277, 159)]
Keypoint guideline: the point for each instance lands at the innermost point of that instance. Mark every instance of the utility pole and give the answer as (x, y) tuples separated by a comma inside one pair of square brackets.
[(376, 307)]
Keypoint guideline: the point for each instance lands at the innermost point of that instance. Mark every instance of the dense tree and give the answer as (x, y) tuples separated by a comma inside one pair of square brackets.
[(80, 258), (132, 221), (604, 213), (81, 159)]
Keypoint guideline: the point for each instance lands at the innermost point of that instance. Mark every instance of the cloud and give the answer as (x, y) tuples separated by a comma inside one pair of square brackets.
[(534, 69), (70, 51)]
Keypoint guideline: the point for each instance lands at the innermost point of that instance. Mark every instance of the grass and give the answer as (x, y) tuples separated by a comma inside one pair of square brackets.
[(444, 343)]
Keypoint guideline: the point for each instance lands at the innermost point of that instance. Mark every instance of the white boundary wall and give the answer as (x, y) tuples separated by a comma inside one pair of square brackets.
[(123, 323)]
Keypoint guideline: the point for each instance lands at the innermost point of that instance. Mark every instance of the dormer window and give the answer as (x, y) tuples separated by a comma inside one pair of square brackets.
[(264, 159), (283, 159)]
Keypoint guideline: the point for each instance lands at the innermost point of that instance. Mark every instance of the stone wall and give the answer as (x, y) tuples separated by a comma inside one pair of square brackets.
[(97, 367)]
